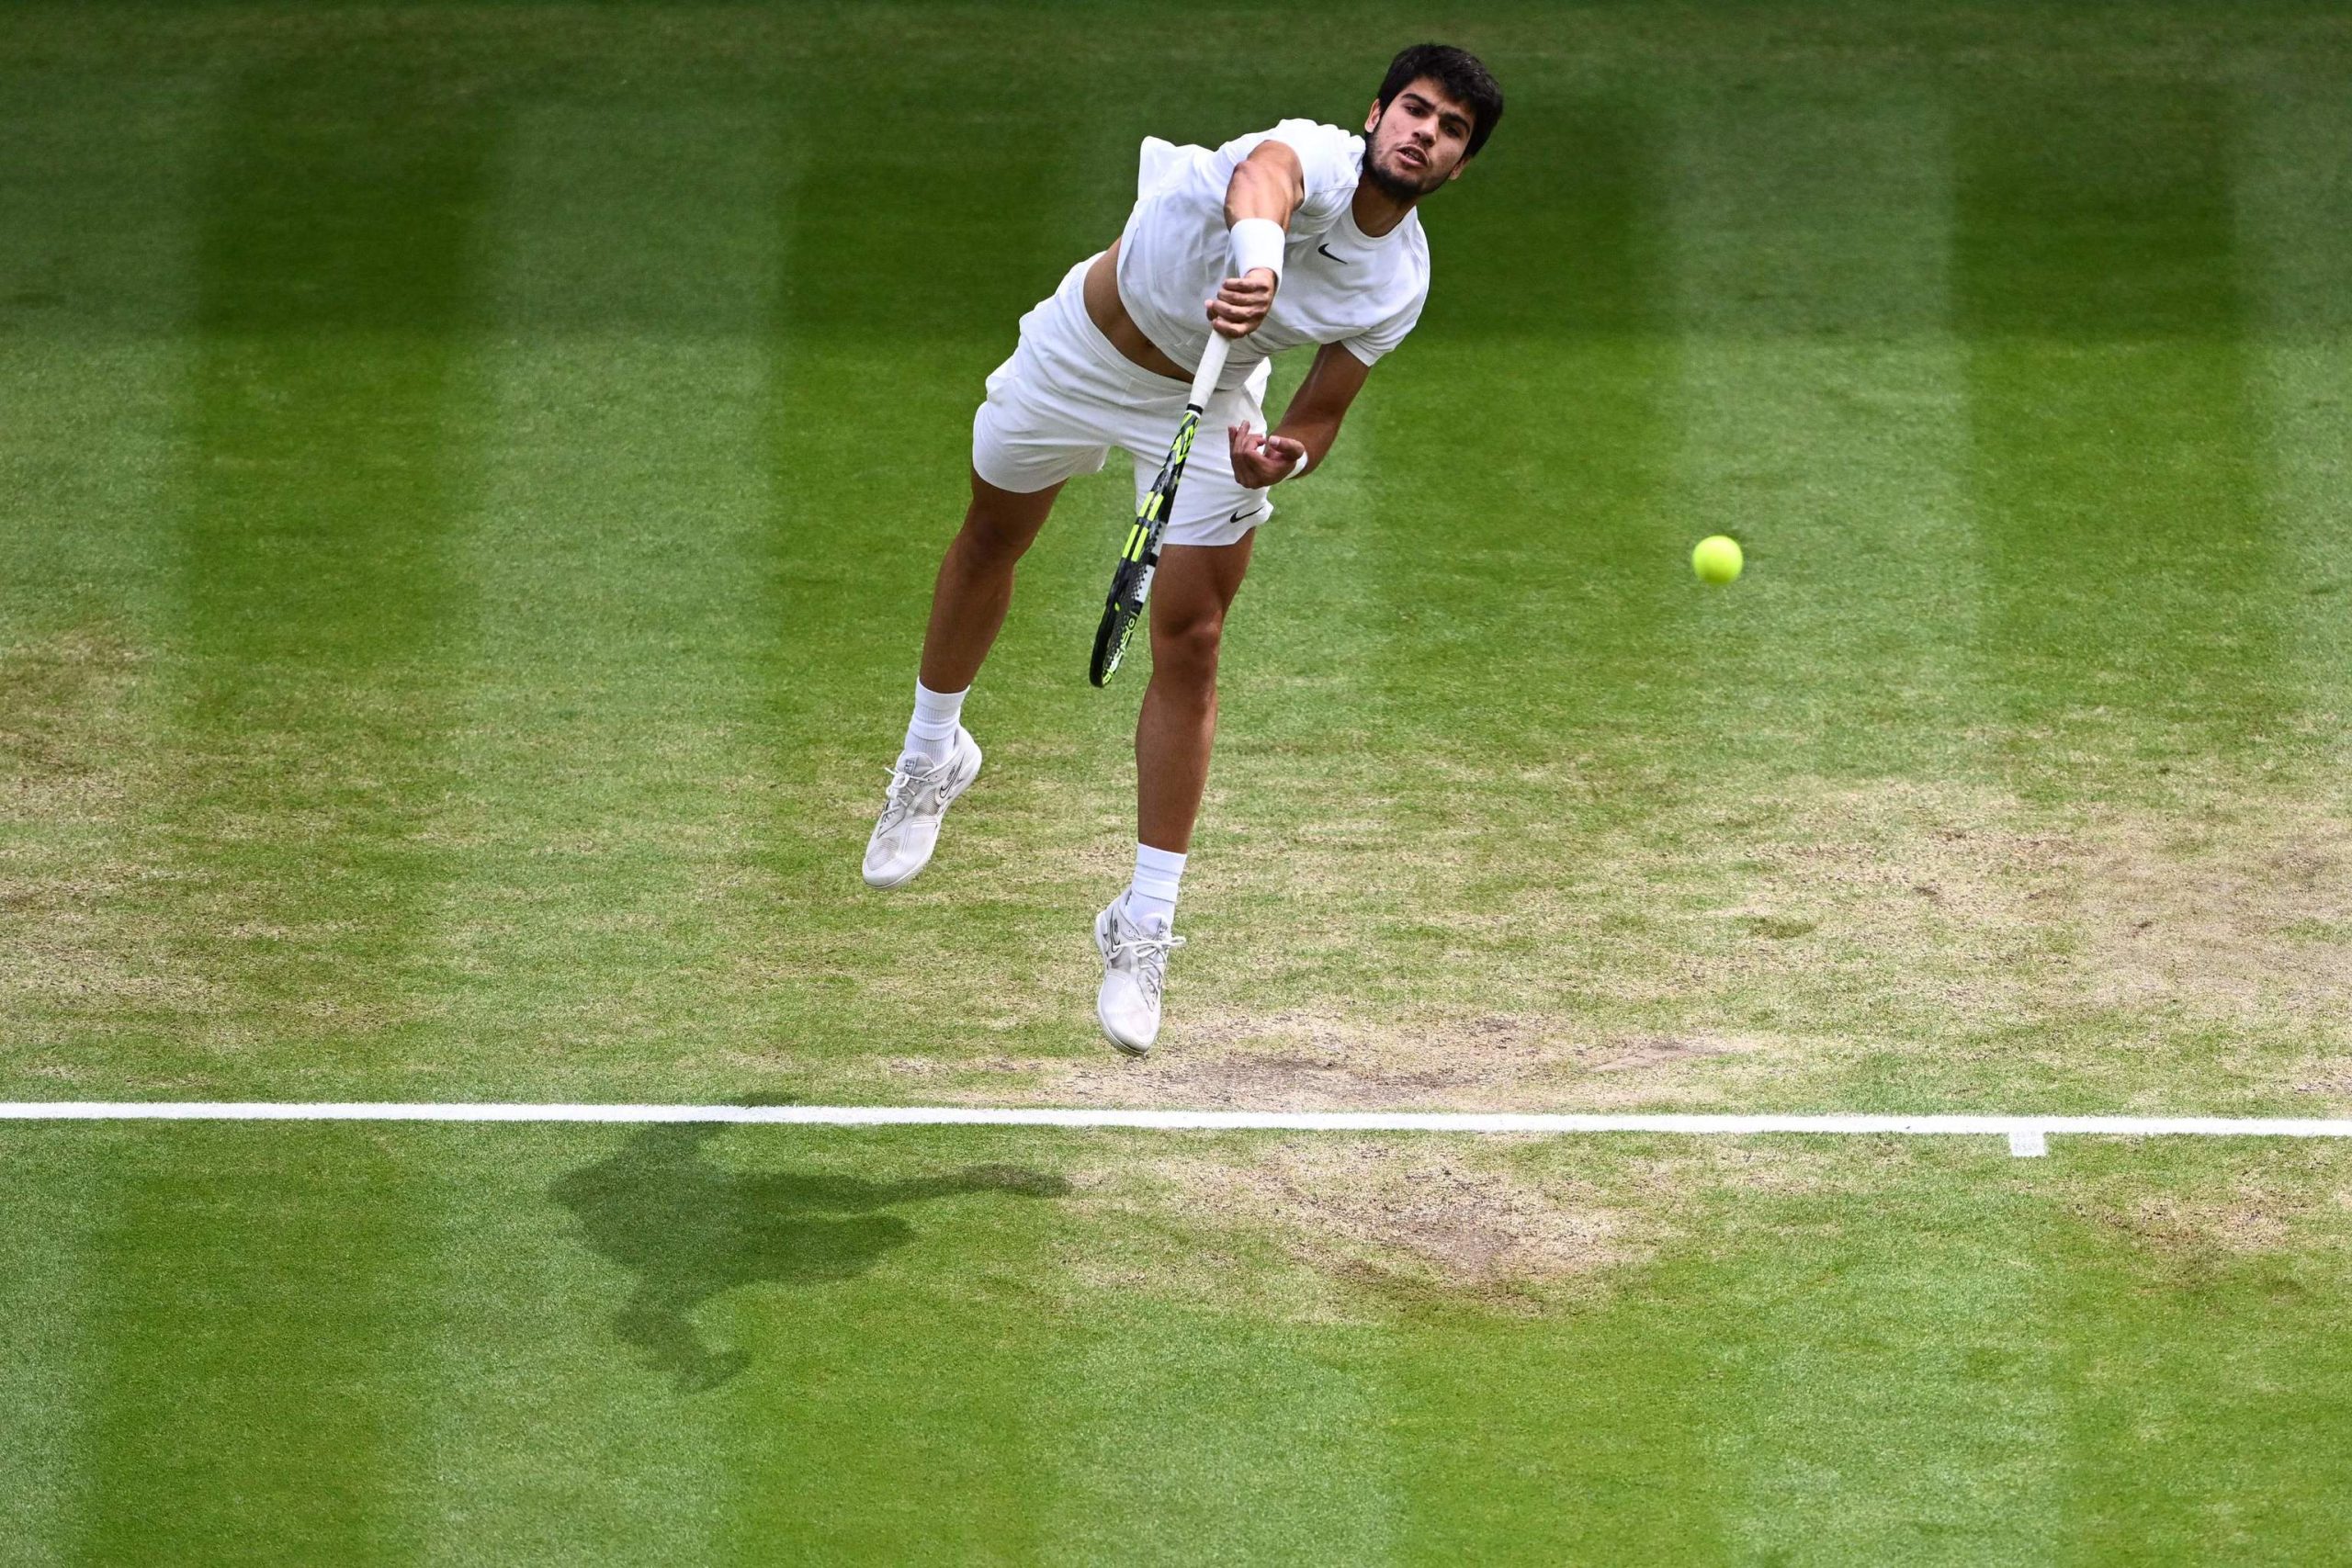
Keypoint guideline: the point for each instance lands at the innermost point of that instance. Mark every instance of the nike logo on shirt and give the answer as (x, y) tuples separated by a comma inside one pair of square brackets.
[(1327, 250)]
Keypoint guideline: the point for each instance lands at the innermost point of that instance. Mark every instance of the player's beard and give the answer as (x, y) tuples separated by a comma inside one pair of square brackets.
[(1399, 185)]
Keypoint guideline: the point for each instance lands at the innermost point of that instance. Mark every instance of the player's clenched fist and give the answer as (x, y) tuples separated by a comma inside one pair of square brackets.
[(1241, 303), (1261, 460)]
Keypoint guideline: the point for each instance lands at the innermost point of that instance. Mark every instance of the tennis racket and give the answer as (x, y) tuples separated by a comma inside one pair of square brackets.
[(1131, 582)]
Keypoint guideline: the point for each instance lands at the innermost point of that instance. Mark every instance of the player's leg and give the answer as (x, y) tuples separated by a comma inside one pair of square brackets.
[(1173, 736), (974, 588), (1201, 568), (940, 759), (1173, 733), (1040, 425)]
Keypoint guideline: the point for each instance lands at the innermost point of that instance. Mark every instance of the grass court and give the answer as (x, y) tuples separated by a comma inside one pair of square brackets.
[(470, 479)]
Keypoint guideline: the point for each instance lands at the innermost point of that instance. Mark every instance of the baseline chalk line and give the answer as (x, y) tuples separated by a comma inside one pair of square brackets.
[(2027, 1136)]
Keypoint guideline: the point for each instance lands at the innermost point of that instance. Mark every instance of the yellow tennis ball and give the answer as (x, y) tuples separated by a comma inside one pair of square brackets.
[(1717, 558)]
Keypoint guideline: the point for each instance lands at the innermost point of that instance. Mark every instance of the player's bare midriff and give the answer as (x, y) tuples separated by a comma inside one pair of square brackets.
[(1109, 314)]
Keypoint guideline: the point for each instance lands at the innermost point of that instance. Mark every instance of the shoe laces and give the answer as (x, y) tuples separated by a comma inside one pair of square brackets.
[(1148, 955), (908, 788)]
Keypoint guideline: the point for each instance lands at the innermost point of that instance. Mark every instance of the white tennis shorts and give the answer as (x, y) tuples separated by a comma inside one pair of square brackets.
[(1067, 397)]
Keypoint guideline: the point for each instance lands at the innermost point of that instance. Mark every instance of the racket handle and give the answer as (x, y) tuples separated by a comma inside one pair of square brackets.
[(1212, 366)]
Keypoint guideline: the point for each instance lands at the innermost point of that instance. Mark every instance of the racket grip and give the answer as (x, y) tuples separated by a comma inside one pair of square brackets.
[(1212, 366)]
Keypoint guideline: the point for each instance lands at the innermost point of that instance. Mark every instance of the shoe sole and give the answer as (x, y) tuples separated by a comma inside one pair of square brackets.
[(952, 796), (1136, 1053), (1102, 952), (898, 881)]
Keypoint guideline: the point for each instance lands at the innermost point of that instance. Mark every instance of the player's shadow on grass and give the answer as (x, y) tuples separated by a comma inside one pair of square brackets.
[(689, 1230)]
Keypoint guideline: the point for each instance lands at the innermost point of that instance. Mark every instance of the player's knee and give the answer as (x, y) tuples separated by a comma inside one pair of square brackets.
[(989, 541), (1187, 647), (1000, 524)]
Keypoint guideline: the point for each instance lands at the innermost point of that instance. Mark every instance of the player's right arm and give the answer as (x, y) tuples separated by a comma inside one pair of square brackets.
[(1267, 187)]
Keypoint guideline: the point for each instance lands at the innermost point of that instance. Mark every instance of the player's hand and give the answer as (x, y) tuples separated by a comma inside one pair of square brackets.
[(1261, 460), (1241, 303)]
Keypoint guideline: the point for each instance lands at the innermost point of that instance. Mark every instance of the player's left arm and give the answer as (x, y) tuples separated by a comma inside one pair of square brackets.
[(1310, 424)]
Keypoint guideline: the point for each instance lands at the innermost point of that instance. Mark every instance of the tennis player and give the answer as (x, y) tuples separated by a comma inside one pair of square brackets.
[(1300, 235)]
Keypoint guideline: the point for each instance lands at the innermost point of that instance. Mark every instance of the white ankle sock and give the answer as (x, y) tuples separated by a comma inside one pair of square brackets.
[(932, 732), (1152, 896)]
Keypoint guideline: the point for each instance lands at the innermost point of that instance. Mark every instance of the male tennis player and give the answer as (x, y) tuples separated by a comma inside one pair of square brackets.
[(1299, 234)]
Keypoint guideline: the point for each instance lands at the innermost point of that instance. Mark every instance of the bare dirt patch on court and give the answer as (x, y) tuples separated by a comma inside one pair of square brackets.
[(1355, 1226), (1329, 1061), (1340, 1204), (2215, 911), (1332, 1227)]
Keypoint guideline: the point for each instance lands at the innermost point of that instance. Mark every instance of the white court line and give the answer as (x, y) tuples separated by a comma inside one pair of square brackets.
[(2027, 1134)]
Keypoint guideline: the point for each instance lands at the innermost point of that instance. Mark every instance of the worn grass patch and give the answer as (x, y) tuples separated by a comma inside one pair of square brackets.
[(1327, 1061), (1810, 929), (1994, 906), (1817, 929), (1954, 934), (2289, 1199), (74, 880), (1329, 1229), (1349, 1229), (67, 726)]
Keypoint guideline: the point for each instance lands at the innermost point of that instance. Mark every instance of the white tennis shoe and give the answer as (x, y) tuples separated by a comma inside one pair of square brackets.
[(908, 827), (1134, 972)]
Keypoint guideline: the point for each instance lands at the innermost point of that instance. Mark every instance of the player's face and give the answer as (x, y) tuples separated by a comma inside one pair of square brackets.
[(1416, 143)]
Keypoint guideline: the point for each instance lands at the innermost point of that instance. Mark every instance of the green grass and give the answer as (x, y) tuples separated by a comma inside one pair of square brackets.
[(571, 1345), (474, 474)]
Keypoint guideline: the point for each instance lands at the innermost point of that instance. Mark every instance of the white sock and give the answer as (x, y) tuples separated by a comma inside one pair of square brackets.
[(1151, 898), (932, 732)]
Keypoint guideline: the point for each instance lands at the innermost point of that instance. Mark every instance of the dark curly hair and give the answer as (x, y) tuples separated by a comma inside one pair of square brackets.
[(1465, 79)]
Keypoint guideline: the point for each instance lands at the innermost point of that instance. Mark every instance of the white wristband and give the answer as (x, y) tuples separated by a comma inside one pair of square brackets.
[(1300, 467), (1257, 241)]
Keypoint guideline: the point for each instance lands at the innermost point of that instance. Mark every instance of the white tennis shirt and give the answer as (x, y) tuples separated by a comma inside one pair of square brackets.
[(1339, 285)]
